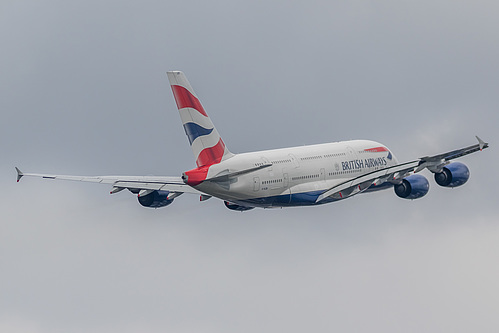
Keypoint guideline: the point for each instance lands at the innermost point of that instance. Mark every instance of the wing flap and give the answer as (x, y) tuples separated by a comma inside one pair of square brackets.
[(183, 188), (361, 183)]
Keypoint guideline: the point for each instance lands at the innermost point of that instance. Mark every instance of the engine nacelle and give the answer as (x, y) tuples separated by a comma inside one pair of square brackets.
[(233, 206), (412, 187), (155, 199), (453, 175)]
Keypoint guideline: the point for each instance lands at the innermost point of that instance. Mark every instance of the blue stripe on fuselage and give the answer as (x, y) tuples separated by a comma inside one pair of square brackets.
[(300, 199), (286, 200), (194, 131)]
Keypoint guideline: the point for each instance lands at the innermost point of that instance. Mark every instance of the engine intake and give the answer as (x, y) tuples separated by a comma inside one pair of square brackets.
[(453, 175), (412, 187), (155, 199)]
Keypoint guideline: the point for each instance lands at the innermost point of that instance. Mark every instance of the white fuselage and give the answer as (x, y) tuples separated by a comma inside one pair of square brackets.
[(298, 175)]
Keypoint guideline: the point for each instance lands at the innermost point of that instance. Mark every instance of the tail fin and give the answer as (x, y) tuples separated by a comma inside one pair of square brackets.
[(207, 145)]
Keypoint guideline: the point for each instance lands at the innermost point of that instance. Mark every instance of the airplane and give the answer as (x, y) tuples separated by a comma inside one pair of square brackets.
[(298, 176)]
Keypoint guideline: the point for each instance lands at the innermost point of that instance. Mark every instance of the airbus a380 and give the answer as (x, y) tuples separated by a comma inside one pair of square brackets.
[(298, 176)]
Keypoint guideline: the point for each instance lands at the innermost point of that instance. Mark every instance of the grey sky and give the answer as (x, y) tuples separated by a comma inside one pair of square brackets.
[(84, 91)]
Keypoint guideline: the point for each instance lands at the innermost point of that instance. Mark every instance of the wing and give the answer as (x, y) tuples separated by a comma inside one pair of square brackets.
[(437, 162), (361, 183), (396, 173), (133, 183)]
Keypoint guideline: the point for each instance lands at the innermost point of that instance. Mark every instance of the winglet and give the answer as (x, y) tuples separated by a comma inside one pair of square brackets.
[(481, 143), (19, 174)]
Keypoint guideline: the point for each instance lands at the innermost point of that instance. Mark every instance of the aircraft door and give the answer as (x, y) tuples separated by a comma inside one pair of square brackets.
[(294, 160), (256, 184), (269, 169), (285, 180), (323, 175), (351, 152)]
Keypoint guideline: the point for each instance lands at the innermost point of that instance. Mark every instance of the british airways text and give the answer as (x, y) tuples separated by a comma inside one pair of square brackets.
[(367, 163)]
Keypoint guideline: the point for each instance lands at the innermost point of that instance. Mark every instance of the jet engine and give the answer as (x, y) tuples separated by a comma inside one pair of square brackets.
[(453, 175), (233, 206), (412, 187), (155, 199)]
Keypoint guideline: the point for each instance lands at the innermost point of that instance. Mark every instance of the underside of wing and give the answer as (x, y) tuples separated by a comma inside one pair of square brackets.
[(361, 183), (436, 163), (446, 174)]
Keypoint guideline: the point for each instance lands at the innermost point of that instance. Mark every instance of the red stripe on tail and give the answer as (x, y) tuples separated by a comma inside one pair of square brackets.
[(212, 155), (185, 99)]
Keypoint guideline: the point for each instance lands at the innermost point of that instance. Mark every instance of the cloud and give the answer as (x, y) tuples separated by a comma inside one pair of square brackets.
[(84, 91)]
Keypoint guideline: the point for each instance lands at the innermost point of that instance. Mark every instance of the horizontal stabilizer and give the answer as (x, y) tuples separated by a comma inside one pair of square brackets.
[(228, 175)]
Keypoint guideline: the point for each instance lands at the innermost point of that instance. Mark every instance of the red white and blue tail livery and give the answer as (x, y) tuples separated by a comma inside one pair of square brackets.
[(207, 145), (297, 176)]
